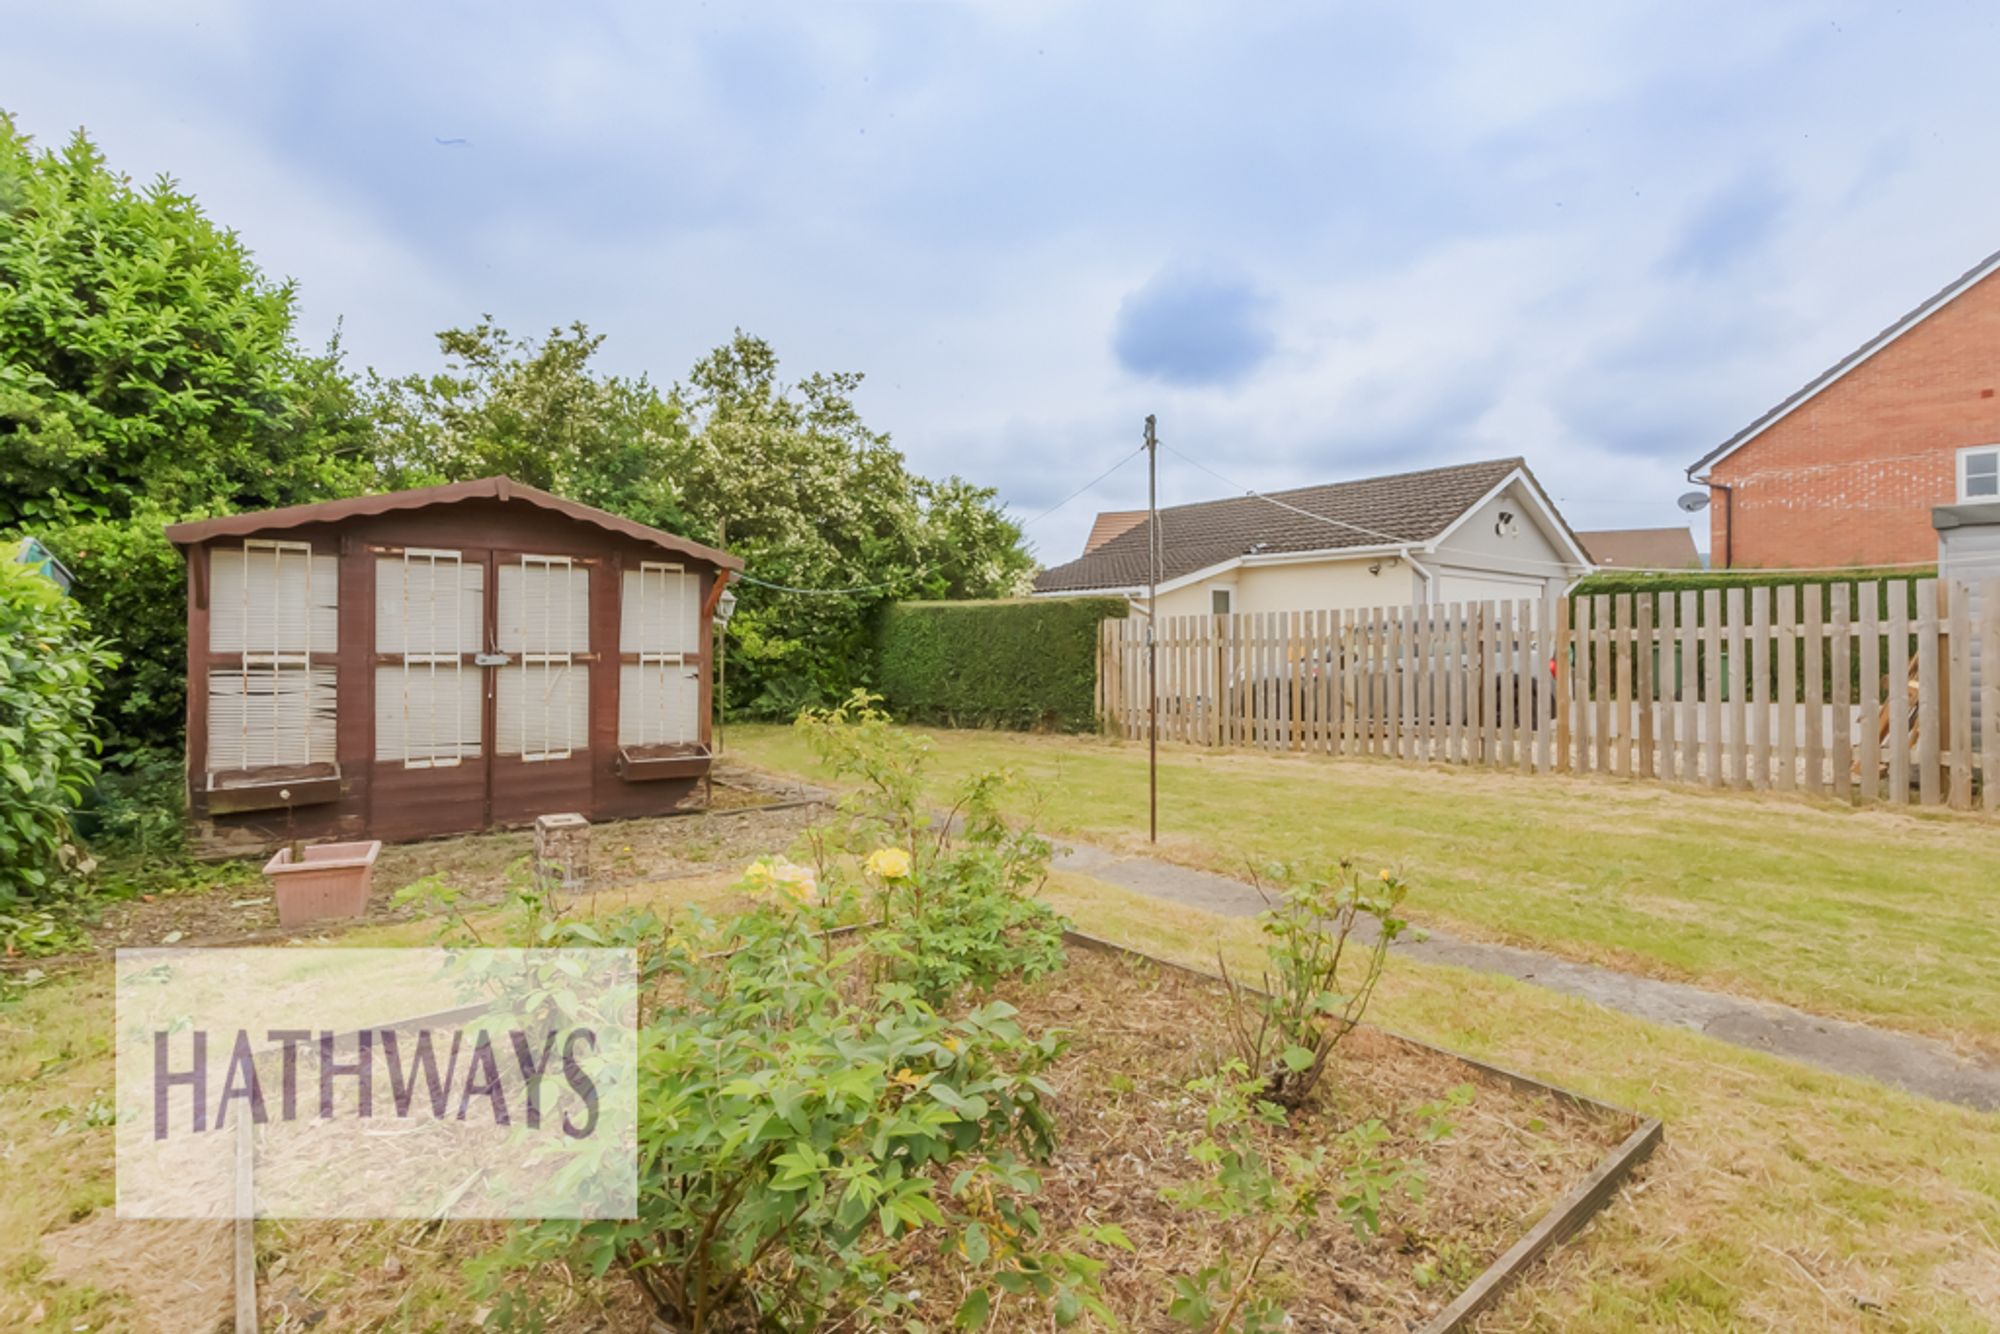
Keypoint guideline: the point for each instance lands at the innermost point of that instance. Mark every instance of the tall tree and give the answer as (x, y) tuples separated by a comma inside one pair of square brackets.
[(815, 500), (149, 371), (538, 412), (788, 476), (145, 360)]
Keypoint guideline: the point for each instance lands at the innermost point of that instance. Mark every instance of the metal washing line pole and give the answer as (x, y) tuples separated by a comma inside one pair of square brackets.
[(1152, 620)]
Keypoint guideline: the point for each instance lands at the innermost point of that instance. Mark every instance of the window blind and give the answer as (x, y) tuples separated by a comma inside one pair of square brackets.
[(543, 699), (659, 696), (430, 609), (272, 604)]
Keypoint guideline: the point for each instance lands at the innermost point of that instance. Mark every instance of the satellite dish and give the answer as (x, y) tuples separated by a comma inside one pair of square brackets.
[(1694, 501)]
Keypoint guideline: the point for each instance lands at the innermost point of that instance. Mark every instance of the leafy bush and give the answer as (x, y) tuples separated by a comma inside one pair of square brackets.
[(1026, 664), (1287, 1033), (795, 1132), (954, 903), (49, 671), (133, 585)]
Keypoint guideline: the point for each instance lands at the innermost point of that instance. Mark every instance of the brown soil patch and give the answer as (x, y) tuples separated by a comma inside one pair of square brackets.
[(1138, 1033), (237, 907), (177, 1276)]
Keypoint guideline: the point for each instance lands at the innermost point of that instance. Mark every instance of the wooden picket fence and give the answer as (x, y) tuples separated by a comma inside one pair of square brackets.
[(1864, 692)]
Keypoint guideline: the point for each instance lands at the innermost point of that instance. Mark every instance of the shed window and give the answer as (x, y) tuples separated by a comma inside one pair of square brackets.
[(429, 620), (272, 606), (659, 677), (544, 695), (1979, 473)]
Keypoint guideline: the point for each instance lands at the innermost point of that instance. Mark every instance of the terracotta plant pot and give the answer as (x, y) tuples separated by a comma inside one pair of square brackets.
[(332, 881)]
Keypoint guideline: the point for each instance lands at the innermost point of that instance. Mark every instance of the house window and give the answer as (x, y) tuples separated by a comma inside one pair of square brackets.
[(274, 609), (429, 622), (1220, 600), (542, 709), (1979, 473), (659, 672)]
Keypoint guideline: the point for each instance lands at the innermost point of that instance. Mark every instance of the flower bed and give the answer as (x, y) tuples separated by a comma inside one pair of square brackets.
[(893, 1094)]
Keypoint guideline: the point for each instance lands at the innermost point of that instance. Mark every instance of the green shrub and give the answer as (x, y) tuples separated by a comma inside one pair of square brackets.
[(49, 671), (133, 585), (797, 1129), (1287, 1032), (954, 904), (1024, 664)]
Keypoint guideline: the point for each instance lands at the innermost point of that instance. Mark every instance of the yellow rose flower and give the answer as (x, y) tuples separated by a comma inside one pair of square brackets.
[(889, 863), (795, 882)]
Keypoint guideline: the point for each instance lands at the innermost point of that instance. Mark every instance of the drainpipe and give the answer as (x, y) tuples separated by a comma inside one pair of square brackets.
[(1422, 572)]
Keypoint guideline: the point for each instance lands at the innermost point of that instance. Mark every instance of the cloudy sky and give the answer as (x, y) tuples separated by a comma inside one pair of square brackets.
[(1319, 242)]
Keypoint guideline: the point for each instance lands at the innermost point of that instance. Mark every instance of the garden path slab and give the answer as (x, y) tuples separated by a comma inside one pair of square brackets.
[(1918, 1064)]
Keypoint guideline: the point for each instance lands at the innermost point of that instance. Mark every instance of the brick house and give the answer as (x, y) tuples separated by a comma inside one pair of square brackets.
[(1846, 470)]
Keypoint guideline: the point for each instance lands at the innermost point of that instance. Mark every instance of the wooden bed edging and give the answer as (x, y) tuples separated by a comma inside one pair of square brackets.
[(1563, 1220)]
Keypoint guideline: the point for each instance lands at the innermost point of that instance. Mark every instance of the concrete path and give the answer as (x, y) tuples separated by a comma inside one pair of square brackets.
[(1920, 1065)]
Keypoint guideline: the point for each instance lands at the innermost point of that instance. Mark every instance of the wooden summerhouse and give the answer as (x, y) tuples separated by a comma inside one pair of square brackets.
[(442, 660)]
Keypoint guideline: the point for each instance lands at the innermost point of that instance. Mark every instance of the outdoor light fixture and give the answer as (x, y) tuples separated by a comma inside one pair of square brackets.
[(725, 607)]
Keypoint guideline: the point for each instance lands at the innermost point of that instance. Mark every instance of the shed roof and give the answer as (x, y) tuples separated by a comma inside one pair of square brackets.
[(1407, 507), (451, 493)]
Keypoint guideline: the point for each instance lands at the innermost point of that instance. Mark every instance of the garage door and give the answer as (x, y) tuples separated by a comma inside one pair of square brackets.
[(1452, 586)]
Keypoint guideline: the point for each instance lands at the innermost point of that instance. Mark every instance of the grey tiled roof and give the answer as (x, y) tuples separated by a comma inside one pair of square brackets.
[(1408, 507)]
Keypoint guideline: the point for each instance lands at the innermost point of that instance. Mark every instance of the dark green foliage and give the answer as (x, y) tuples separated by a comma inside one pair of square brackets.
[(144, 358), (1613, 581), (1025, 664), (149, 372), (49, 669), (790, 478), (132, 584)]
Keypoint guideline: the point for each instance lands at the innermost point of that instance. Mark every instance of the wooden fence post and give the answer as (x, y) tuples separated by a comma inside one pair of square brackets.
[(1958, 684), (1564, 642), (1929, 716), (1691, 704), (1989, 693), (1737, 687), (1711, 684), (1898, 692), (1621, 685), (1868, 763), (1840, 665), (1815, 661), (1760, 672), (1666, 682)]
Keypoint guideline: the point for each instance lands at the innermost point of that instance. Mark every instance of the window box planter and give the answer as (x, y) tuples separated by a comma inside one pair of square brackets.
[(332, 880), (649, 764)]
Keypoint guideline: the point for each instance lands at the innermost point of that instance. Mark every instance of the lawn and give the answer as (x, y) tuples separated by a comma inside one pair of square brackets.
[(1883, 917), (1782, 1198)]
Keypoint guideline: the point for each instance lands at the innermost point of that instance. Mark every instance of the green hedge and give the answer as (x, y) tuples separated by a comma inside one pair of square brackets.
[(1028, 664), (1614, 581)]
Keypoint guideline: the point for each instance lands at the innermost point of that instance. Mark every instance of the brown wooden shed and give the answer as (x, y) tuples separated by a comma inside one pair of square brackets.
[(442, 660)]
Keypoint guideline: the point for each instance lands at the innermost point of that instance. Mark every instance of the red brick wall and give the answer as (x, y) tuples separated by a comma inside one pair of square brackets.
[(1850, 477)]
